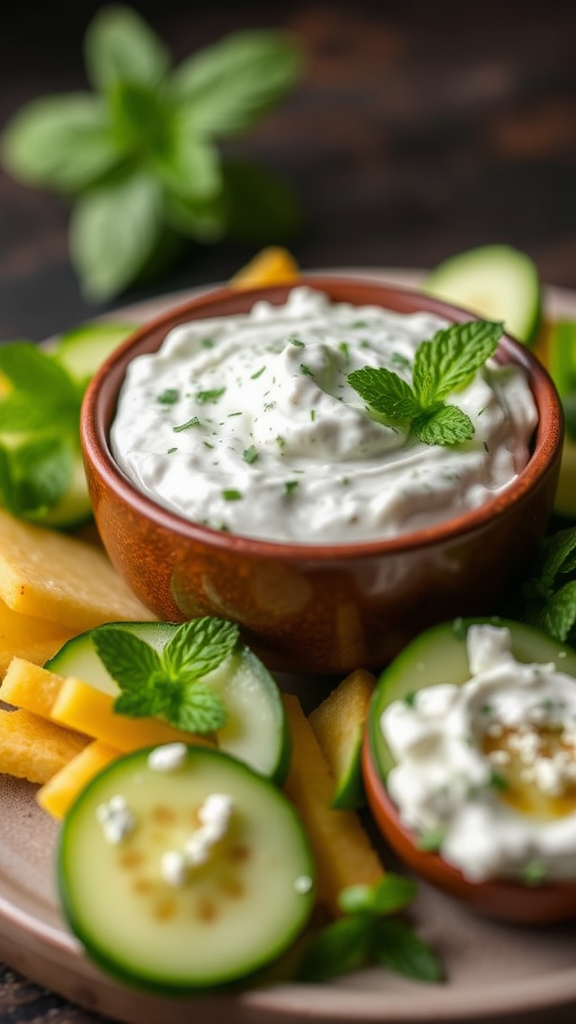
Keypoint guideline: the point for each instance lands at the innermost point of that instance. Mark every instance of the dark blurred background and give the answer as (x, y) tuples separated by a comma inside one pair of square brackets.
[(420, 129)]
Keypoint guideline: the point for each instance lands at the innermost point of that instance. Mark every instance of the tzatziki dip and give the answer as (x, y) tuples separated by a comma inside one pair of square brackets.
[(488, 768), (247, 423)]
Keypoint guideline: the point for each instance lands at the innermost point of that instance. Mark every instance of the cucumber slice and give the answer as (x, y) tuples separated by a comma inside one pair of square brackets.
[(493, 281), (224, 918), (82, 350), (256, 731), (439, 656)]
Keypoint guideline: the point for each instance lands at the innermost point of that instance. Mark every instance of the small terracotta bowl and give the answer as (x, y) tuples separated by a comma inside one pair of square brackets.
[(318, 608), (501, 899)]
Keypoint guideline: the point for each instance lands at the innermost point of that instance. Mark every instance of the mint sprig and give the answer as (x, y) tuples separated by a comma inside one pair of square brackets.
[(369, 933), (548, 595), (441, 366), (139, 156), (169, 683), (39, 439)]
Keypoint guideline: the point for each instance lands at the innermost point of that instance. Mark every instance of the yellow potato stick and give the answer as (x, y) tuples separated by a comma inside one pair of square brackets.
[(50, 575), (272, 265), (343, 852), (33, 748), (27, 636), (30, 687), (83, 707), (58, 794)]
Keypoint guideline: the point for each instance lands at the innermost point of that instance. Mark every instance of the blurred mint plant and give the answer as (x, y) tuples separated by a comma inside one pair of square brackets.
[(138, 157)]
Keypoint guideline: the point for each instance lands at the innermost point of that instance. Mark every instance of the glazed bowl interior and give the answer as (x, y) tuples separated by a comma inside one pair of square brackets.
[(318, 608)]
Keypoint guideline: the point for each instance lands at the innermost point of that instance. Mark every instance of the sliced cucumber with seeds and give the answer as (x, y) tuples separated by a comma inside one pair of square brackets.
[(211, 922), (496, 282), (255, 730), (440, 656)]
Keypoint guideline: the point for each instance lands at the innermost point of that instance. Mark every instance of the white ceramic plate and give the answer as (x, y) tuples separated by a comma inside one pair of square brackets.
[(493, 972)]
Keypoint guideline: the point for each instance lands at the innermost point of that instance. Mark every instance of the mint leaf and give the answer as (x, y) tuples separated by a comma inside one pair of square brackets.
[(196, 709), (121, 46), (35, 372), (440, 366), (60, 142), (113, 232), (446, 426), (130, 661), (190, 164), (557, 615), (227, 86), (340, 947), (34, 475), (397, 947), (199, 647), (452, 356), (385, 392), (391, 894), (165, 683)]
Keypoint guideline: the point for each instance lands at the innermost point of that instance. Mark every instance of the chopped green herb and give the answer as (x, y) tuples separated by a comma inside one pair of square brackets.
[(268, 406), (230, 414), (194, 422), (431, 841), (345, 480), (459, 628), (534, 872), (410, 698), (207, 444), (359, 324), (170, 450), (312, 414), (345, 350), (498, 781), (207, 343), (402, 362), (306, 370), (289, 487), (487, 709), (209, 396), (280, 441), (294, 340), (168, 397), (250, 454), (232, 495), (258, 373)]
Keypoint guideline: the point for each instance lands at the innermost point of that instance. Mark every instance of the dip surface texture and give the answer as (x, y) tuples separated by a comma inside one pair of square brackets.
[(247, 423), (489, 767)]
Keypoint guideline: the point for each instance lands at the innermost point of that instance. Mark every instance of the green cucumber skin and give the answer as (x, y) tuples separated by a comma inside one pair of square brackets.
[(83, 349), (498, 271), (78, 658), (439, 656), (156, 982)]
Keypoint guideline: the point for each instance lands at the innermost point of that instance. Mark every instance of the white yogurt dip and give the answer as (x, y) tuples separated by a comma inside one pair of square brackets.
[(489, 767), (247, 423)]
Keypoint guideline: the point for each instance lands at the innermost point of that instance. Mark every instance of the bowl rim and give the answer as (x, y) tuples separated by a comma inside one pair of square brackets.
[(493, 892), (101, 396)]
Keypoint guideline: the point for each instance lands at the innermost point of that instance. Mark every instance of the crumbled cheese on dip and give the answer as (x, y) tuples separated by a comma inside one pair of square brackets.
[(247, 423), (489, 767)]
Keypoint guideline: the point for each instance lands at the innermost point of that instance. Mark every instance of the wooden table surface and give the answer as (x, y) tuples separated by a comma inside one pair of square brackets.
[(421, 129)]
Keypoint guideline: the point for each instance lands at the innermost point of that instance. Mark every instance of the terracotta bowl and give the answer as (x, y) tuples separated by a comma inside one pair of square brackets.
[(318, 608), (507, 901)]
